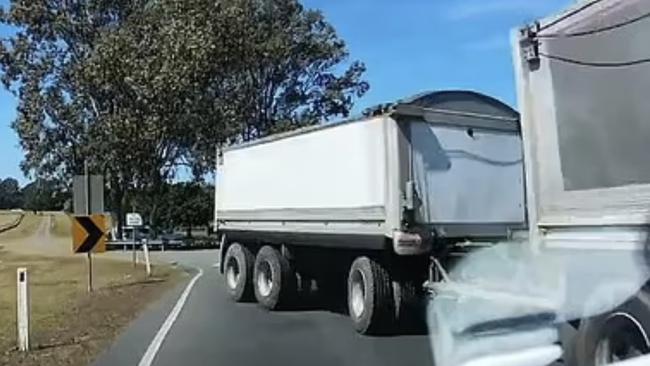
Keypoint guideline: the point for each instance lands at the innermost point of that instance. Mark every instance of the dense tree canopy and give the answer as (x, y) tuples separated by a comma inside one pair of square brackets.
[(187, 205), (40, 195), (10, 195), (175, 206), (139, 88)]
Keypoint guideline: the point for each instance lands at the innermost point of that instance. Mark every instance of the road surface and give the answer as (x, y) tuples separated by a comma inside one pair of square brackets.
[(211, 330)]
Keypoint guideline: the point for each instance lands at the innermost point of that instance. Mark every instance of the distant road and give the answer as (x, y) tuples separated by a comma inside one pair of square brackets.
[(211, 330)]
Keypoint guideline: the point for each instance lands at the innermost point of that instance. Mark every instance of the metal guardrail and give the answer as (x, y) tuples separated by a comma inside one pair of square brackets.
[(161, 245), (128, 245)]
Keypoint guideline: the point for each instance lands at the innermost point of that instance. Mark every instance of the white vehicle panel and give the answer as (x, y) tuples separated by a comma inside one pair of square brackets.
[(584, 118), (337, 167)]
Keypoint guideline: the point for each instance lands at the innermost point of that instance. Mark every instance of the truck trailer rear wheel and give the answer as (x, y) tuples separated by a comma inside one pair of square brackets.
[(274, 279), (616, 336), (370, 297), (409, 310), (238, 272)]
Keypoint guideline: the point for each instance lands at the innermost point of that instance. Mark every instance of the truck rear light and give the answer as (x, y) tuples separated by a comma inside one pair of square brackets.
[(405, 243)]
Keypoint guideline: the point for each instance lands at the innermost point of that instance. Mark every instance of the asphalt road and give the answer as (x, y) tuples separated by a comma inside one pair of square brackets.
[(212, 330)]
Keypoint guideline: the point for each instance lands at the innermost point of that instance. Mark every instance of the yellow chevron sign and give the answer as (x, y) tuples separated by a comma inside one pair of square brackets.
[(88, 234)]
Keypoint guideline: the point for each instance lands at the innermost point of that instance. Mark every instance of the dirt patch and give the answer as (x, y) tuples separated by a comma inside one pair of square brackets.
[(61, 225), (28, 227), (69, 325), (35, 236), (8, 218)]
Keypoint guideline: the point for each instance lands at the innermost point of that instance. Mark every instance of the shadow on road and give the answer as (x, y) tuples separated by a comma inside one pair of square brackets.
[(324, 301)]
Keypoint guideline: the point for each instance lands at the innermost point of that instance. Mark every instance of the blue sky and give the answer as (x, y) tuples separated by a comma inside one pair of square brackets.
[(408, 46)]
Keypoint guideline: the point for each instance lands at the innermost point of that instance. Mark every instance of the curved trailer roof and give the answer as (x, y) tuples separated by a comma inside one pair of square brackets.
[(463, 107)]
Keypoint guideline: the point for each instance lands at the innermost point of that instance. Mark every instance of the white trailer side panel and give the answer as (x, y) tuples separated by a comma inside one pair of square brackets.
[(338, 167)]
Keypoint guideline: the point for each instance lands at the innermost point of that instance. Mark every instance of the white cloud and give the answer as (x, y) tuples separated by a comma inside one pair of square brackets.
[(470, 9)]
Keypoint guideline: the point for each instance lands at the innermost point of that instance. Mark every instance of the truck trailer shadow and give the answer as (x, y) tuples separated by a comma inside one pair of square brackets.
[(334, 301)]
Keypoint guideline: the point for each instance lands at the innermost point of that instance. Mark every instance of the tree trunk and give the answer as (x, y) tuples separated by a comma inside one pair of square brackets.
[(117, 205)]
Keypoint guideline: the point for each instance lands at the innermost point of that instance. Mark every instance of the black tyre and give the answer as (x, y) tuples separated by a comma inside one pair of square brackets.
[(409, 309), (619, 335), (238, 272), (275, 281), (370, 297)]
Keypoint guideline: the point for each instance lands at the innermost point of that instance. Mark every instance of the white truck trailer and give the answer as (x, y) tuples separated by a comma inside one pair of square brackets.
[(365, 204)]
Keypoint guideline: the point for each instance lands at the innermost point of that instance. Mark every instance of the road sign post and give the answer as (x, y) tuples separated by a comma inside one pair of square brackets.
[(88, 199), (134, 221), (88, 236), (88, 209), (90, 272), (134, 253)]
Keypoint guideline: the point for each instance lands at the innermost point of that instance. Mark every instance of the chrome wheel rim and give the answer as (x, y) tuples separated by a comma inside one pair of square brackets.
[(357, 294), (623, 338), (264, 279), (232, 273)]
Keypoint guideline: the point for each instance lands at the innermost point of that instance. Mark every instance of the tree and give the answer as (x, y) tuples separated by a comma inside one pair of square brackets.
[(184, 204), (43, 195), (10, 195), (188, 205), (67, 114), (258, 67), (137, 88)]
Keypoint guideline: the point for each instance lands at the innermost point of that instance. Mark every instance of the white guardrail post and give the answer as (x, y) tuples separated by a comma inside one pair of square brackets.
[(145, 249), (22, 296)]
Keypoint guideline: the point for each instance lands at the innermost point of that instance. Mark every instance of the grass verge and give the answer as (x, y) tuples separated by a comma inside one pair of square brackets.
[(61, 225), (27, 227), (6, 218), (69, 325)]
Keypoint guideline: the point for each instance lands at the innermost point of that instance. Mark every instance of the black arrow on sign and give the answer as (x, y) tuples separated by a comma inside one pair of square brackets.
[(94, 234)]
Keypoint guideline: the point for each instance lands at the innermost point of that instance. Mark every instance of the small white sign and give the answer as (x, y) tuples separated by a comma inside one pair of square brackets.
[(133, 219)]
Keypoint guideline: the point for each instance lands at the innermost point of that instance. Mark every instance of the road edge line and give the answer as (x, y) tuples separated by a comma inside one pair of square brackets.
[(154, 346)]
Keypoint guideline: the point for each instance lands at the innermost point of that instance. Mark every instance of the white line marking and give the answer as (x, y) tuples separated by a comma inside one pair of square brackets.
[(216, 265), (155, 344)]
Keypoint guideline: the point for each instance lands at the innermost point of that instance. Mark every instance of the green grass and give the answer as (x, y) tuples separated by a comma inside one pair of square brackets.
[(69, 325)]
